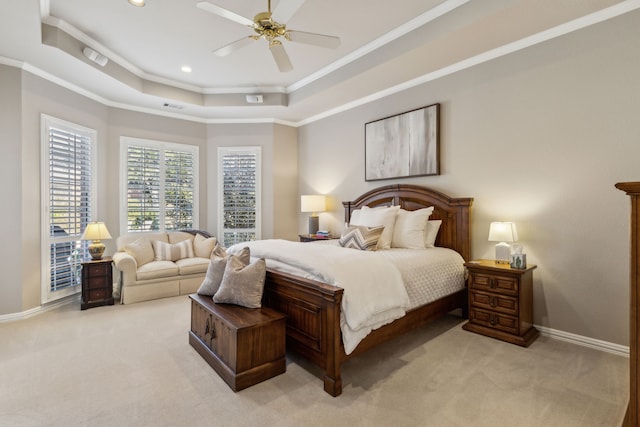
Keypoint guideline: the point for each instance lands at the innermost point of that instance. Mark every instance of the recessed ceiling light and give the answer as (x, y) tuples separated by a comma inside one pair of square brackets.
[(137, 3), (186, 69)]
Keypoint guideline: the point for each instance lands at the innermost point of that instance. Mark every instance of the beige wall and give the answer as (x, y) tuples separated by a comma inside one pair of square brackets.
[(538, 137)]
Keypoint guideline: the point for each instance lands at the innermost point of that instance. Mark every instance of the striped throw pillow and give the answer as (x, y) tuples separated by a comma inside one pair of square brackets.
[(361, 237), (168, 252)]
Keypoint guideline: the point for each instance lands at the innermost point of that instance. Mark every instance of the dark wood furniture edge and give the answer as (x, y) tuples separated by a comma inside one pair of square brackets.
[(632, 416), (313, 308)]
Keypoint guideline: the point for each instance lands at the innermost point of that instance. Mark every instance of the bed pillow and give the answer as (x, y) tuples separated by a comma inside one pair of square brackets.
[(374, 217), (141, 250), (203, 246), (361, 237), (172, 252), (433, 227), (409, 230), (215, 271), (242, 284)]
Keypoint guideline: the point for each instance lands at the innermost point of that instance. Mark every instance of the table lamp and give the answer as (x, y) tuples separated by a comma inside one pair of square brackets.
[(96, 231), (504, 233), (313, 204)]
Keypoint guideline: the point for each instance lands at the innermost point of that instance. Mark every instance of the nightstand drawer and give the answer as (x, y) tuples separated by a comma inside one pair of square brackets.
[(488, 282), (98, 269), (494, 320), (97, 295), (495, 302)]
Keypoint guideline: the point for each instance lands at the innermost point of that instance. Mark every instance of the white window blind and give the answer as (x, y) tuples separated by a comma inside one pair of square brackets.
[(160, 185), (68, 188), (239, 194)]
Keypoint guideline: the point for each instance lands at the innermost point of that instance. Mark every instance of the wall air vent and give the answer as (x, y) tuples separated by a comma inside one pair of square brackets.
[(174, 106)]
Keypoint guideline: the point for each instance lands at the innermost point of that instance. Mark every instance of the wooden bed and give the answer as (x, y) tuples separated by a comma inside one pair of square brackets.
[(313, 308)]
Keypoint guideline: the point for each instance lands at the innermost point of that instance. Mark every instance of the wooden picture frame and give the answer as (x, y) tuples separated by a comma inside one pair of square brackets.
[(403, 145)]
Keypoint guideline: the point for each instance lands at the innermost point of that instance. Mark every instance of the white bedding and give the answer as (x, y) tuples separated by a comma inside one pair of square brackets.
[(378, 286)]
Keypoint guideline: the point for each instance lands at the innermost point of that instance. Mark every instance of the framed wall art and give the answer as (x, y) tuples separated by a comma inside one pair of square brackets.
[(403, 145)]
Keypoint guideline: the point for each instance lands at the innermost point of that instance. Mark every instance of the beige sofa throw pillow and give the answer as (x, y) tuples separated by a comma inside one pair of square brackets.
[(242, 284), (203, 246), (140, 250), (215, 271), (172, 252)]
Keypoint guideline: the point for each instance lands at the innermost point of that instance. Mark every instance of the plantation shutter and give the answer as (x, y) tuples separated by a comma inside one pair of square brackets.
[(70, 180), (161, 185), (239, 194)]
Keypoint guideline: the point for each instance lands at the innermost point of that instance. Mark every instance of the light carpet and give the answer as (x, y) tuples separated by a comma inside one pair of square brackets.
[(132, 365)]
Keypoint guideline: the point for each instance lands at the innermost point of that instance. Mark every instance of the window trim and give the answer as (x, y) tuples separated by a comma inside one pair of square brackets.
[(125, 142), (46, 121), (257, 150)]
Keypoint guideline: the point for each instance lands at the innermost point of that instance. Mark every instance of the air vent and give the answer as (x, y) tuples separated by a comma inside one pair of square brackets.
[(174, 106)]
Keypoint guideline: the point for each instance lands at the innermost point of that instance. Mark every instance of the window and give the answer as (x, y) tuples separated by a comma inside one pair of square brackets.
[(239, 194), (68, 188), (160, 185)]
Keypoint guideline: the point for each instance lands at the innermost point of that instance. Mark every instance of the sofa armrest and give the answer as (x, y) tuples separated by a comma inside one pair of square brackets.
[(127, 265)]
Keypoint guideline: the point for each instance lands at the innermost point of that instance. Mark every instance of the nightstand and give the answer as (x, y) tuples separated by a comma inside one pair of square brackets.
[(314, 237), (501, 302), (97, 283)]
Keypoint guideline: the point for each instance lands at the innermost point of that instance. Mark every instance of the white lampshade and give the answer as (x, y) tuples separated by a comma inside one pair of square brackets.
[(96, 231), (503, 232), (313, 203)]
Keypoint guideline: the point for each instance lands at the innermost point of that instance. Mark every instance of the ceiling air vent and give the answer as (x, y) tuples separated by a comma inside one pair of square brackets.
[(174, 106)]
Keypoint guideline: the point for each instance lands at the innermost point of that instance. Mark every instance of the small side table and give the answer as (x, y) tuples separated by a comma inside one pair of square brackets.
[(314, 237), (97, 283), (501, 302)]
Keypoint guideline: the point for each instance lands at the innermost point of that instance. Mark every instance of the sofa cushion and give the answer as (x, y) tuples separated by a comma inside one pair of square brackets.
[(172, 252), (178, 236), (215, 271), (203, 246), (140, 250), (193, 265), (242, 284), (156, 269)]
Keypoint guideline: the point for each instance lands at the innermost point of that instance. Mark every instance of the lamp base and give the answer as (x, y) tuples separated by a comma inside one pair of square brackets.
[(503, 253), (314, 224), (96, 249)]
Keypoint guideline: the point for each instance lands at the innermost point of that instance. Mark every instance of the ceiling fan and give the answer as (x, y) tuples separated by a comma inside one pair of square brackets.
[(268, 28)]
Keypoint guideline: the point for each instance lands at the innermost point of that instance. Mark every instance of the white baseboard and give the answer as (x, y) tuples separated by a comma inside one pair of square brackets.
[(38, 310), (605, 346)]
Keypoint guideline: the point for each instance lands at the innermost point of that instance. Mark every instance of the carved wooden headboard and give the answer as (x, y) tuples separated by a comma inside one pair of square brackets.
[(455, 213)]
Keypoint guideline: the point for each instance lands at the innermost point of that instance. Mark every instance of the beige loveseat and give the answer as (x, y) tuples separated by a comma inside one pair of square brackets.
[(161, 264)]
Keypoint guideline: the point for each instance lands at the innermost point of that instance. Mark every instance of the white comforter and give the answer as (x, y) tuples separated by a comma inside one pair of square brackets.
[(374, 293)]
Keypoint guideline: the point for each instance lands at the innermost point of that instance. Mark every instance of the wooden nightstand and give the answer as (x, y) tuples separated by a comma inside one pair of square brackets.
[(97, 283), (501, 302), (314, 237)]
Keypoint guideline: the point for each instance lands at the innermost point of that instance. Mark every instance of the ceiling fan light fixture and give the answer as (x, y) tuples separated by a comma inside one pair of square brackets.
[(137, 3)]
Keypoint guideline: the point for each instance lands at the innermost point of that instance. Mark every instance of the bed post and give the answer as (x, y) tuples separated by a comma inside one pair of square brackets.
[(332, 376)]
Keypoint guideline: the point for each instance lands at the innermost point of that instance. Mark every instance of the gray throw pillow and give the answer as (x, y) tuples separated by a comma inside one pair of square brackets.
[(215, 271), (242, 284)]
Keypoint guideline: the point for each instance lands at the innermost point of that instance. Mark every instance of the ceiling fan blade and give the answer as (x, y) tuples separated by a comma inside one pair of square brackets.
[(286, 9), (209, 7), (321, 40), (280, 56), (233, 46)]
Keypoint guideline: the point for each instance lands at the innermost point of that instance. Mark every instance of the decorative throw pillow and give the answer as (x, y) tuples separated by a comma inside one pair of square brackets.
[(409, 229), (432, 232), (203, 246), (373, 217), (172, 252), (242, 284), (215, 271), (141, 250), (361, 237)]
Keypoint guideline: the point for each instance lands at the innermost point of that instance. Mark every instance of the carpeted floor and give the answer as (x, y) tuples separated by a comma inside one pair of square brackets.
[(131, 365)]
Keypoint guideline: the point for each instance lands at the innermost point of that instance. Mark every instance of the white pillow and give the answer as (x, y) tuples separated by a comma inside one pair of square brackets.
[(410, 228), (203, 246), (432, 232), (373, 217)]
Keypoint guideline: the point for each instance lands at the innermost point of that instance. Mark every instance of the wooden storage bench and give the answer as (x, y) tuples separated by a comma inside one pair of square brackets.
[(243, 345)]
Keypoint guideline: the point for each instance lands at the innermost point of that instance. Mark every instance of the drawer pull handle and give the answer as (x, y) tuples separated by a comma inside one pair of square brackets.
[(493, 320), (492, 283)]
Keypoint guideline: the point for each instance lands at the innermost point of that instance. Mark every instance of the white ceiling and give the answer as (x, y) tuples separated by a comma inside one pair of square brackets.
[(385, 47)]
